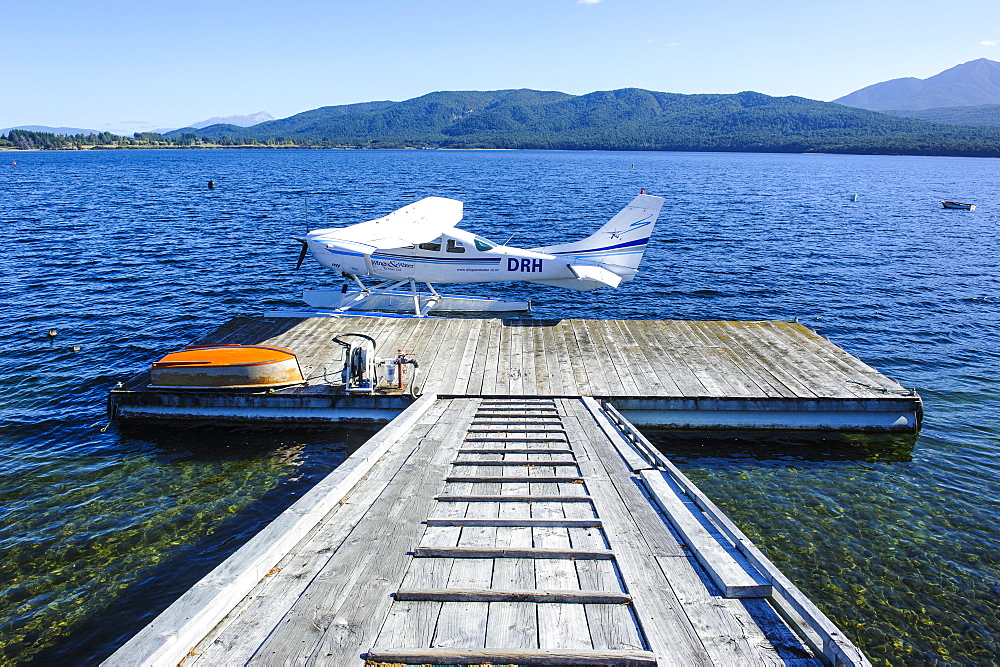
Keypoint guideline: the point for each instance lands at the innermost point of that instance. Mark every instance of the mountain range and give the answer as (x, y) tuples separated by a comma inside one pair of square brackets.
[(973, 83), (888, 117), (626, 119), (239, 121)]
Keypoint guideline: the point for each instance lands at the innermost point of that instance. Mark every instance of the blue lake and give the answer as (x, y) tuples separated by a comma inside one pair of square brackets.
[(127, 255)]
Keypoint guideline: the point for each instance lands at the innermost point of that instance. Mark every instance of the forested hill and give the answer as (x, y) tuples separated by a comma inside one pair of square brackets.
[(626, 119)]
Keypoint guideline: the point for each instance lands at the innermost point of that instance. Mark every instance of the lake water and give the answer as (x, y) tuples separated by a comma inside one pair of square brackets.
[(128, 255)]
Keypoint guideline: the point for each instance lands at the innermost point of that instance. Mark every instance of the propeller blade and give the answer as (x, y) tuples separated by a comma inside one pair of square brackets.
[(302, 255)]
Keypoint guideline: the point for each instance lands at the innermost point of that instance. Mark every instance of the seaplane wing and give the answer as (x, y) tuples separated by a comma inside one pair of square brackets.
[(419, 222)]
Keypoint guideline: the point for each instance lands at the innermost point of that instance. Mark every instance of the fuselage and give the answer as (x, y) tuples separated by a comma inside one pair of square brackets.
[(459, 257)]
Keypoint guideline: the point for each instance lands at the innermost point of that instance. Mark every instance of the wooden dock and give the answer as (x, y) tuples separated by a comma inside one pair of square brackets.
[(497, 530), (770, 375)]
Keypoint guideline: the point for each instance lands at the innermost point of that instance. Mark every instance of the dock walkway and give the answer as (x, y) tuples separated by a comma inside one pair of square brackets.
[(501, 530), (716, 374)]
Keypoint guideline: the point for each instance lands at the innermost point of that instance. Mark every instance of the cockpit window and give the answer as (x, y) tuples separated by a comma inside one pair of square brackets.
[(455, 246), (432, 245), (483, 244)]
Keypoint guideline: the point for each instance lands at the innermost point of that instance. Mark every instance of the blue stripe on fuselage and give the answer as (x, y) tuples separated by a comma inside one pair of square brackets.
[(627, 244)]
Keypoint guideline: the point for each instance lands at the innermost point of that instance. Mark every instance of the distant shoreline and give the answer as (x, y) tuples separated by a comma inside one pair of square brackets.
[(87, 149)]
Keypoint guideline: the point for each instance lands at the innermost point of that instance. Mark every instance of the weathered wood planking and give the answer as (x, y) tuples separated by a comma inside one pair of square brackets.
[(592, 357), (670, 372), (416, 564)]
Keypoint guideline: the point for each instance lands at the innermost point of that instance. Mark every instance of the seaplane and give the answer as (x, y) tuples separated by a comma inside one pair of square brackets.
[(421, 243)]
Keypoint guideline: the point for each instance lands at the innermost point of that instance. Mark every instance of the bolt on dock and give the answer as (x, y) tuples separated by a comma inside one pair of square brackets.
[(497, 530)]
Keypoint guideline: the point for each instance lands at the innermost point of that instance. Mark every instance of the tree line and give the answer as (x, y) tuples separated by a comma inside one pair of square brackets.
[(29, 140)]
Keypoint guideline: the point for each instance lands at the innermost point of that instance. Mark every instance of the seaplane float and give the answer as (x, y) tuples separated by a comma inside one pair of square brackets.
[(421, 244)]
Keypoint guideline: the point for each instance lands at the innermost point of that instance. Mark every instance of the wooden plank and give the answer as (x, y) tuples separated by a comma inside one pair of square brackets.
[(575, 371), (431, 342), (662, 356), (262, 609), (494, 595), (529, 382), (500, 479), (747, 361), (464, 623), (513, 624), (847, 362), (516, 450), (474, 386), (524, 522), (184, 623), (817, 352), (504, 366), (648, 383), (600, 380), (531, 498), (810, 370), (716, 353), (604, 332), (553, 350), (681, 349), (491, 370), (559, 626), (477, 552), (373, 554), (781, 375), (470, 352), (515, 360), (509, 406), (669, 632), (522, 464), (731, 639), (732, 573), (633, 458), (462, 350), (494, 656), (718, 334)]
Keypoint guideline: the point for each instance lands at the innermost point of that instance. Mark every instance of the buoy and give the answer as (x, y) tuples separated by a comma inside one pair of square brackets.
[(52, 336), (75, 348), (211, 185), (14, 163), (642, 191)]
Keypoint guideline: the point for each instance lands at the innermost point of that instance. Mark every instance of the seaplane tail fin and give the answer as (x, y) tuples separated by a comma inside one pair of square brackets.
[(618, 245)]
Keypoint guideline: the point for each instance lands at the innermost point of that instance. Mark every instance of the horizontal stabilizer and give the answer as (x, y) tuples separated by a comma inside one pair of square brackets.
[(596, 274)]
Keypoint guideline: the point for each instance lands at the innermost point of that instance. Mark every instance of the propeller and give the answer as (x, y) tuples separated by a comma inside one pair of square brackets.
[(302, 253)]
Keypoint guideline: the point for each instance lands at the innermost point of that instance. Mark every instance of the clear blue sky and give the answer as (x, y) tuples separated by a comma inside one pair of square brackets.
[(138, 64)]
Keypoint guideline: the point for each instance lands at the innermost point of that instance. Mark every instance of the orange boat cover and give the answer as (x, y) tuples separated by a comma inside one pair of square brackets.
[(225, 355)]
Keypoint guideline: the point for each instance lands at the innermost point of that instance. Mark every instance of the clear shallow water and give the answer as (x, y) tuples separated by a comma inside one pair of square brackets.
[(128, 255)]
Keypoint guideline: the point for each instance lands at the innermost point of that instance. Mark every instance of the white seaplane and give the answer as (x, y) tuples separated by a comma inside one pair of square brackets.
[(420, 243)]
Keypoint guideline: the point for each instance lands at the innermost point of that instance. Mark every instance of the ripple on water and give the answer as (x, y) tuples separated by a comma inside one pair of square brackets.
[(128, 256)]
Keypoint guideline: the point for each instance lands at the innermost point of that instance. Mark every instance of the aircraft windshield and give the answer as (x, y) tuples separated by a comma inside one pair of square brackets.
[(482, 244)]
